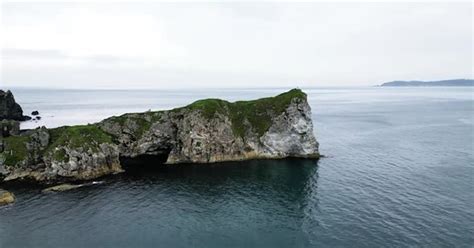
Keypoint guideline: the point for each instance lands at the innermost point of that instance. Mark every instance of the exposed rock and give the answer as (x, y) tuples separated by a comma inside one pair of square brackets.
[(205, 131), (9, 109), (9, 128), (34, 113), (214, 130), (63, 187), (60, 154), (6, 197)]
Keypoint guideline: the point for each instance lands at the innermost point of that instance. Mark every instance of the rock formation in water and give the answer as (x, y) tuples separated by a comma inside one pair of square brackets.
[(205, 131), (9, 109), (6, 197)]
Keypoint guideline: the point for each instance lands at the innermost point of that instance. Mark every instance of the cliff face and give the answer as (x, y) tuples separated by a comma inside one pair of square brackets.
[(66, 153), (205, 131), (214, 130)]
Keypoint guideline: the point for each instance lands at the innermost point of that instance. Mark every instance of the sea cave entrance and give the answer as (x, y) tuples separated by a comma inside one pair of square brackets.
[(145, 161)]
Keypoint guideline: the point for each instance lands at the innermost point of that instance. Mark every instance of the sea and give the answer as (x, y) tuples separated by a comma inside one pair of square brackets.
[(397, 171)]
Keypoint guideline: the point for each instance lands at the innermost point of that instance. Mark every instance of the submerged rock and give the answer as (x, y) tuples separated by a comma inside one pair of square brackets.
[(205, 131), (63, 187), (9, 109), (6, 197)]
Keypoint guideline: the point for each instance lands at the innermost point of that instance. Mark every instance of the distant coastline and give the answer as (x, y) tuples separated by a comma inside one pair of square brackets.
[(452, 82)]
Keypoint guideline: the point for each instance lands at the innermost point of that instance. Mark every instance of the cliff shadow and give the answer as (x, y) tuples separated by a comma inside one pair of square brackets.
[(144, 162)]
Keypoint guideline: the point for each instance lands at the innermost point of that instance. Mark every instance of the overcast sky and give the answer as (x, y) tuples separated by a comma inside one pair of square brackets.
[(165, 45)]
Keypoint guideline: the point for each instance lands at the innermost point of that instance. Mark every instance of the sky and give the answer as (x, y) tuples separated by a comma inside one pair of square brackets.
[(198, 45)]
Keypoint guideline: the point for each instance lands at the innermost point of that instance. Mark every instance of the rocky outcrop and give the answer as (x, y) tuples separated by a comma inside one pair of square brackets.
[(60, 154), (9, 128), (9, 109), (62, 187), (205, 131), (6, 197)]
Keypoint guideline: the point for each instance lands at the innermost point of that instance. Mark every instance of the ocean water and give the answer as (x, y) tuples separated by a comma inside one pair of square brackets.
[(398, 172)]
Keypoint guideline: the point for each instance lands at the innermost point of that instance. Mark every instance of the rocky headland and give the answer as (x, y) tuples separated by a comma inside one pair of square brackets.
[(444, 83), (206, 131)]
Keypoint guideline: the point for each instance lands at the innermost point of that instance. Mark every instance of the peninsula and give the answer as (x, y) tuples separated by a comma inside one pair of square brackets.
[(206, 131), (452, 82)]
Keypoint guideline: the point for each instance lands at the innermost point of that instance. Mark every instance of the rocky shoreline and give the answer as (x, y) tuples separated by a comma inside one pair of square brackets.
[(206, 131)]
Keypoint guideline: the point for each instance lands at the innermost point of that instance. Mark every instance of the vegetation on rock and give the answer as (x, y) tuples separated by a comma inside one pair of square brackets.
[(258, 113), (14, 149), (205, 131)]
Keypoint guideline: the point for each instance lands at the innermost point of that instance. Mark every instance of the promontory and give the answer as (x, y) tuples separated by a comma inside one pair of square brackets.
[(206, 131)]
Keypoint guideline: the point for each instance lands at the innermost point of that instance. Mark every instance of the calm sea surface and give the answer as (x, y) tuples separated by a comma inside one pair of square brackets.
[(398, 172)]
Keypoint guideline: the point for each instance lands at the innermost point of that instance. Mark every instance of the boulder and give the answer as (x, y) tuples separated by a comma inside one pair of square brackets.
[(34, 113), (6, 197)]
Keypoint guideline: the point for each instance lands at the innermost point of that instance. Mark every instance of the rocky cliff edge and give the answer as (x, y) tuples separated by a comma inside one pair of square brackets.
[(206, 131)]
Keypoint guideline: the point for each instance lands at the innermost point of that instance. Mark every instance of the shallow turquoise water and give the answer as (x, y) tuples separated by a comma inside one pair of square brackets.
[(399, 172)]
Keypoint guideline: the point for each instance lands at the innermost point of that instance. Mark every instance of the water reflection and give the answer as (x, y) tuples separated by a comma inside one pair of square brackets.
[(288, 179), (241, 203)]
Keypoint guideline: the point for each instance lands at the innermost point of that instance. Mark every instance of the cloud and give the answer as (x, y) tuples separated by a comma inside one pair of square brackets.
[(233, 44)]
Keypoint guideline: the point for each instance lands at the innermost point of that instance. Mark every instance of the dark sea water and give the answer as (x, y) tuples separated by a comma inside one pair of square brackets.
[(398, 172)]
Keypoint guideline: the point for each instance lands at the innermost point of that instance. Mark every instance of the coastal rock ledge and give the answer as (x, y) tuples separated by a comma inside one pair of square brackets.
[(206, 131)]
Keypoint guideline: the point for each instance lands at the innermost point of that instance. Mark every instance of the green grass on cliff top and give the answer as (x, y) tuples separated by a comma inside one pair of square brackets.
[(258, 113), (14, 149), (85, 136)]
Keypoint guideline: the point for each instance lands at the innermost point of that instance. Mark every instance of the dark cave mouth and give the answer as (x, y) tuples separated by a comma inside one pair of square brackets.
[(144, 162)]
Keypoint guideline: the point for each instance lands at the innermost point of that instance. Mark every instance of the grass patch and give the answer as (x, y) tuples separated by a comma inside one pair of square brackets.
[(143, 121), (85, 136), (15, 149), (209, 107), (258, 113), (60, 155)]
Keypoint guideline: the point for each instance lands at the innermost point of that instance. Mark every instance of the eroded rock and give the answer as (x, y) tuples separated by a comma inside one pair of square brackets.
[(214, 130), (6, 197), (9, 128), (205, 131), (63, 187)]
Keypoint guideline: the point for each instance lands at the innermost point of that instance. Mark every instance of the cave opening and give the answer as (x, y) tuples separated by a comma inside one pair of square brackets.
[(144, 162)]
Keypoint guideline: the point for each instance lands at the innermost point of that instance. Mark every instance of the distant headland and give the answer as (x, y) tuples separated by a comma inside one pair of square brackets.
[(451, 82)]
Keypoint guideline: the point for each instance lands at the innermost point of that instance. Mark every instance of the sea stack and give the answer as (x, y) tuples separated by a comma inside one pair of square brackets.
[(206, 131), (9, 109)]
